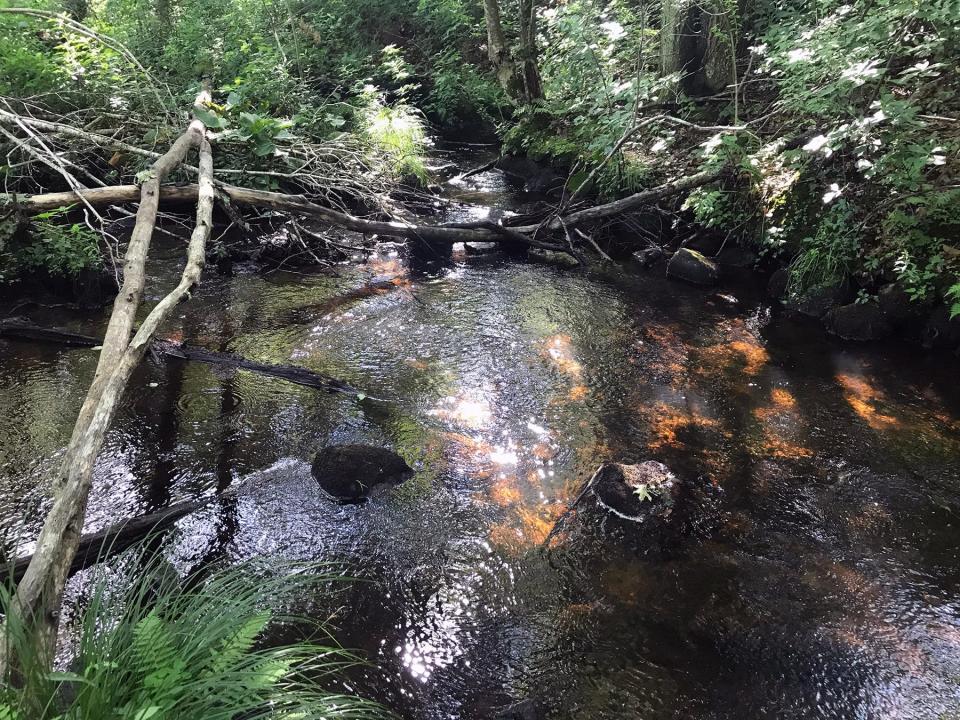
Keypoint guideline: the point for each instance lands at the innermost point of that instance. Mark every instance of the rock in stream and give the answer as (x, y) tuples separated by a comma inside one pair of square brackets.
[(348, 473)]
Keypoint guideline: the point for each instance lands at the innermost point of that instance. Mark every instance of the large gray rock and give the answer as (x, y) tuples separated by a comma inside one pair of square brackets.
[(692, 267), (349, 472), (858, 321)]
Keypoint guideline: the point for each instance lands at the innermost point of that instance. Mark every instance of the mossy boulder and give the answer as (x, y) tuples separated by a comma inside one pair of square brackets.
[(692, 267)]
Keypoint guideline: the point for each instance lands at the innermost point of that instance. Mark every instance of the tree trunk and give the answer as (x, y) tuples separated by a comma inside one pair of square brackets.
[(697, 40), (40, 593), (529, 68), (516, 69), (498, 51)]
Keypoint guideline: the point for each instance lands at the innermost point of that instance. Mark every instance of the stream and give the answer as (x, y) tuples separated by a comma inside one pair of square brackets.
[(814, 576)]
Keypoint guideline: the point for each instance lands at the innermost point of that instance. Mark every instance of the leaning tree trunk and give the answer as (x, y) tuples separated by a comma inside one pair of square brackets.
[(697, 39), (40, 593)]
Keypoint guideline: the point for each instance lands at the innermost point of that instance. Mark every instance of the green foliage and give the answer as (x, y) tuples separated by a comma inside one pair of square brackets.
[(58, 248), (827, 257), (26, 65), (873, 78), (397, 135), (152, 646)]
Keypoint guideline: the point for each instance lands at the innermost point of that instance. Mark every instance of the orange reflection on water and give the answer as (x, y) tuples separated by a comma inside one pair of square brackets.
[(504, 491), (558, 349), (863, 398), (666, 422), (778, 421), (747, 354)]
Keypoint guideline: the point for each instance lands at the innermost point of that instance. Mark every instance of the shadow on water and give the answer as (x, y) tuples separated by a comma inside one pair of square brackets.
[(810, 568)]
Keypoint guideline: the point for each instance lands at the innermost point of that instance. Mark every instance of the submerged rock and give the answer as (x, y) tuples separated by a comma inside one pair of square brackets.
[(635, 492), (692, 267), (349, 472), (858, 321)]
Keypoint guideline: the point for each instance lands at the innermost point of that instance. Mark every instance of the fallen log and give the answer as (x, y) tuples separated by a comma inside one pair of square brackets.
[(98, 547), (291, 373), (481, 231)]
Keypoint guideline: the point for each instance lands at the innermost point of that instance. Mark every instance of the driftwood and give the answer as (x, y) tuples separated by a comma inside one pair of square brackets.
[(290, 373), (100, 546)]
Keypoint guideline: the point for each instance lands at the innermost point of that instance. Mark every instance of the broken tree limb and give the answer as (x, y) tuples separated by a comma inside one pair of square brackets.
[(100, 546), (40, 593), (291, 373)]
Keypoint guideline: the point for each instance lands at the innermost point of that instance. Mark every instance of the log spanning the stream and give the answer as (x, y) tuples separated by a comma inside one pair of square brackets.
[(480, 231), (19, 329)]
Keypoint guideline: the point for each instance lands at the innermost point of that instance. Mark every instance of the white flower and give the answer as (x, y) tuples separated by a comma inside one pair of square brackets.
[(816, 144), (832, 194)]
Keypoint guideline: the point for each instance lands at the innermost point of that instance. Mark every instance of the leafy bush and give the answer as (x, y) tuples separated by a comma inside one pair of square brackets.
[(58, 248), (151, 646)]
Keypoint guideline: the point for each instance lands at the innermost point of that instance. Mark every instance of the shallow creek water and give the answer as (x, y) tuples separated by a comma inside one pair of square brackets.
[(815, 575)]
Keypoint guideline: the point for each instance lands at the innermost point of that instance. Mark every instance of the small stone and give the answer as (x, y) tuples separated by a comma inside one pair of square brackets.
[(648, 256)]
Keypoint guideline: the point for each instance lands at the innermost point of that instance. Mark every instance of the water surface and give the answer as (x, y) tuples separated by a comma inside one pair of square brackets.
[(812, 572)]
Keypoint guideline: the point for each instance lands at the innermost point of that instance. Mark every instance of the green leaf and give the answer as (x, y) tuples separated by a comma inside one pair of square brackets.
[(67, 677), (209, 118), (146, 713)]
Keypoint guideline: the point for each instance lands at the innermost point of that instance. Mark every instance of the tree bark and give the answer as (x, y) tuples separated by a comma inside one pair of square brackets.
[(40, 593)]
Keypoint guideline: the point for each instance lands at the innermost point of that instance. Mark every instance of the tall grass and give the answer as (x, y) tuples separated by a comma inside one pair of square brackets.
[(152, 646)]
